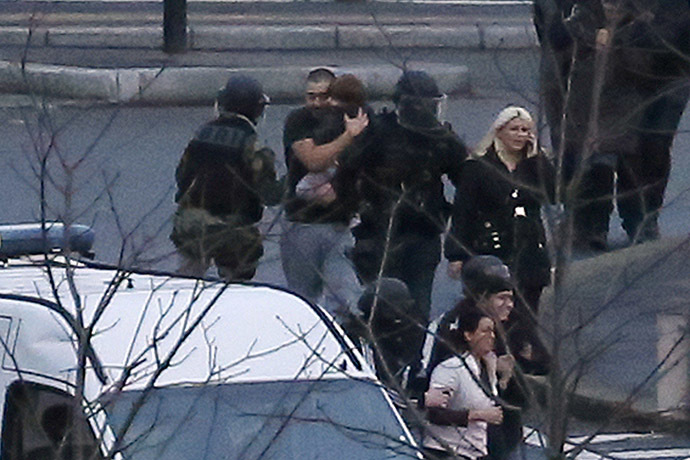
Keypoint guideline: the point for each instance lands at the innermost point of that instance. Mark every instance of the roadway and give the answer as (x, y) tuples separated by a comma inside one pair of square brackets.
[(134, 13), (112, 50), (138, 148), (124, 186), (612, 445)]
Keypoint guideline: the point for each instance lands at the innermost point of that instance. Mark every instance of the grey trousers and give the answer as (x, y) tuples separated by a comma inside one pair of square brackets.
[(316, 267)]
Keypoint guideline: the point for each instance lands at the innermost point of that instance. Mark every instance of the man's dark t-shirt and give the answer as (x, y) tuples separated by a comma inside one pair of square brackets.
[(322, 126)]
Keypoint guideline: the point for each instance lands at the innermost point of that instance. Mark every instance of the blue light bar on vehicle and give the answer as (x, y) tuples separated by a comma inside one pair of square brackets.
[(18, 240)]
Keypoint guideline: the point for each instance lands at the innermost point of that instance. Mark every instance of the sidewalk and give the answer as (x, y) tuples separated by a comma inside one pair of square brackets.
[(112, 52)]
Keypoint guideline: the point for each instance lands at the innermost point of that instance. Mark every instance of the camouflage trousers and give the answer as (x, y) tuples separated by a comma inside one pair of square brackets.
[(202, 239)]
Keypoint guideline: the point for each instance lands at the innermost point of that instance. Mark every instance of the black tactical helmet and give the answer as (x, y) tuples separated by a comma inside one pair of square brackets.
[(244, 95), (394, 299), (416, 83), (485, 275), (419, 103)]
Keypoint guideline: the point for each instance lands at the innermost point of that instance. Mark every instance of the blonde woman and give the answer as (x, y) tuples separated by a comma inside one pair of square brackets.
[(497, 211)]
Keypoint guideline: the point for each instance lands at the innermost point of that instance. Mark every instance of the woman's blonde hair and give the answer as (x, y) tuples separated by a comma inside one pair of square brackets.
[(506, 115)]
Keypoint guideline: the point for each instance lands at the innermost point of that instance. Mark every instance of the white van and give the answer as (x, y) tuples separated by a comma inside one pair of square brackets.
[(180, 369)]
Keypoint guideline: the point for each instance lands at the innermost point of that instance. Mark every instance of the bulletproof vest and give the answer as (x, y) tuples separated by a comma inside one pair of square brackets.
[(219, 165), (403, 175)]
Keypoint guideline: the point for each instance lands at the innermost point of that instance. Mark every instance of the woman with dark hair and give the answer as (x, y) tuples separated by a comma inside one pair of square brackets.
[(460, 400)]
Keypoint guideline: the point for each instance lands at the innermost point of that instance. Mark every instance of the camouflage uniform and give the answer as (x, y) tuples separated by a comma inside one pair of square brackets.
[(223, 183)]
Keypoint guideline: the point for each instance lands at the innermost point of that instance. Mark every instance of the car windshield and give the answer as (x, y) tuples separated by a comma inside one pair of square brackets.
[(270, 420)]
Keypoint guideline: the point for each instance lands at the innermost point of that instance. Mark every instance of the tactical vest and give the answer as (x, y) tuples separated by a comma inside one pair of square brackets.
[(216, 171)]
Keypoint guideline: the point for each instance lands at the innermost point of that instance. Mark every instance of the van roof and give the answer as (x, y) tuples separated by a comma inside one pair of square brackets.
[(200, 331)]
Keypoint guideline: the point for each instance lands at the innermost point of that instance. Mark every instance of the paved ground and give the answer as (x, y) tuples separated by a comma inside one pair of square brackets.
[(103, 13), (504, 70), (613, 446), (112, 51), (135, 144)]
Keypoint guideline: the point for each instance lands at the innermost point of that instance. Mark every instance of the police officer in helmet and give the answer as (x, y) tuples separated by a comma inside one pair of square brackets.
[(223, 182), (386, 321), (400, 163)]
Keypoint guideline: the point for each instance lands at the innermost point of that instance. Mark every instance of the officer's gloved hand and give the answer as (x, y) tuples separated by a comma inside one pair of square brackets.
[(417, 383), (583, 22), (263, 163), (263, 167), (355, 327)]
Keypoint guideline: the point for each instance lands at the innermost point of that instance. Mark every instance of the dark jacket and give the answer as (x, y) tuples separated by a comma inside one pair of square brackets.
[(645, 62), (222, 172), (497, 212), (399, 172)]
